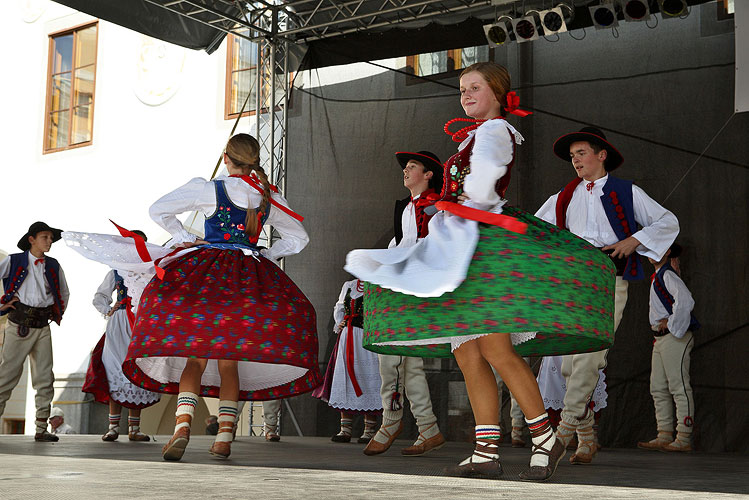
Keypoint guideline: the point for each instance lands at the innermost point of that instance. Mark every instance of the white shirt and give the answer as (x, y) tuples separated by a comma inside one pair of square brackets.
[(408, 226), (678, 321), (586, 218), (339, 309), (200, 195), (35, 291), (103, 297), (63, 428)]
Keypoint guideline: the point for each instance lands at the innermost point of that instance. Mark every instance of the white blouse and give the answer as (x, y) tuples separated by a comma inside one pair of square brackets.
[(587, 218), (34, 291), (103, 296), (200, 195), (339, 311), (678, 322)]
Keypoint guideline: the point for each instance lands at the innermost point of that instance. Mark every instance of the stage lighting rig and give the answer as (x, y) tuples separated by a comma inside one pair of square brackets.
[(525, 29), (553, 21), (636, 10), (673, 8), (604, 16), (498, 34)]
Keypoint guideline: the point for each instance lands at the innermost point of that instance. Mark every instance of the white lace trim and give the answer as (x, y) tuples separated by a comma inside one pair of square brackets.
[(455, 342), (367, 368)]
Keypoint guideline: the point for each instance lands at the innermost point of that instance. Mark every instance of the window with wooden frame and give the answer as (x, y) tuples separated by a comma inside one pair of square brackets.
[(241, 76), (71, 78), (446, 62)]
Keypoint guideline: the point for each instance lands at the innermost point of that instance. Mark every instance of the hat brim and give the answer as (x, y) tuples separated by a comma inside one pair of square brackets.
[(562, 148), (24, 244), (430, 163)]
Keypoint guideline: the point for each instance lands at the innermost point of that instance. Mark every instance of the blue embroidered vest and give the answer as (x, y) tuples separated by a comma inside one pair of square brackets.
[(119, 285), (19, 263), (619, 208), (659, 285), (226, 224)]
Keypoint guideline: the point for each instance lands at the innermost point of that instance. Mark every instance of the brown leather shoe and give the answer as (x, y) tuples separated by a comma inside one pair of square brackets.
[(272, 437), (538, 473), (584, 454), (221, 449), (110, 436), (375, 447), (662, 439), (175, 448), (518, 443), (433, 443), (341, 438), (483, 470), (46, 437), (138, 436)]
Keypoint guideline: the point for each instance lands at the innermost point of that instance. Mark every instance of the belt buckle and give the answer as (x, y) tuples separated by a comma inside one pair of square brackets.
[(23, 331)]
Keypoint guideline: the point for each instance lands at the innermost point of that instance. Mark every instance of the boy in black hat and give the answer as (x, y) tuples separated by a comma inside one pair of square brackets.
[(35, 293), (672, 323), (606, 212), (422, 176)]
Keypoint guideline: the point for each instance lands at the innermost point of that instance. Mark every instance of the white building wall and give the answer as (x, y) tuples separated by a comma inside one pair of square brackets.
[(139, 152)]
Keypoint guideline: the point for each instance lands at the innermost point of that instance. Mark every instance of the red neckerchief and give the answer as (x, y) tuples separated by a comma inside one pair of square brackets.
[(426, 199)]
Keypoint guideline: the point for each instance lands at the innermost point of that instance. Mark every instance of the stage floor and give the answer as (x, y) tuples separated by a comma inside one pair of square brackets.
[(84, 467)]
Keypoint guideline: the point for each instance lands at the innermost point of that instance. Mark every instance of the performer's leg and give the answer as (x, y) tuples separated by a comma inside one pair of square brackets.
[(370, 428), (344, 435), (115, 413), (676, 360), (42, 379), (227, 415), (271, 410), (189, 387), (392, 374), (417, 391), (133, 426), (14, 352), (518, 420), (497, 349), (664, 406)]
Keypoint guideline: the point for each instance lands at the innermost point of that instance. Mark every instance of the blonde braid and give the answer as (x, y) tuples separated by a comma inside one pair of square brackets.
[(251, 221)]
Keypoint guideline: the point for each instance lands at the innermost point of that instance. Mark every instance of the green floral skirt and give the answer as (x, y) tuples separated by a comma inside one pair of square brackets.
[(547, 281)]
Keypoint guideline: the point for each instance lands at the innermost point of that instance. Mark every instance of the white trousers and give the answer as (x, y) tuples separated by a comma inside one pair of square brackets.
[(271, 409), (581, 370), (37, 345), (669, 382), (405, 374)]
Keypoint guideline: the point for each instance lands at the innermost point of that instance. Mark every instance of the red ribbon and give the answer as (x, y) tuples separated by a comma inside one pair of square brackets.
[(255, 183), (513, 101), (39, 261), (140, 247), (499, 220), (350, 349)]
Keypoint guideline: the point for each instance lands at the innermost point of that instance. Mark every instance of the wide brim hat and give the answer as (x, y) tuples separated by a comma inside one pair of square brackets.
[(34, 229), (430, 161), (594, 136)]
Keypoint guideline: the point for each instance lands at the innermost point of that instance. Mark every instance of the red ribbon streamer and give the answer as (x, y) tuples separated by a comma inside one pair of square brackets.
[(350, 349), (140, 247), (499, 220), (513, 101), (255, 183)]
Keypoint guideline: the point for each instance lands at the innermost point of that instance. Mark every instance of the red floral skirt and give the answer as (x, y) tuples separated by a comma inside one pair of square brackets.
[(224, 305)]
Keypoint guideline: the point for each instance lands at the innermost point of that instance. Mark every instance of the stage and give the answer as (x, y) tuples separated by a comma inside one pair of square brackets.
[(84, 467)]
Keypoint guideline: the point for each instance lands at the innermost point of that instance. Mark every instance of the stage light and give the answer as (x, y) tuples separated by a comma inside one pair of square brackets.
[(553, 21), (604, 16), (673, 8), (525, 29), (636, 10), (496, 34)]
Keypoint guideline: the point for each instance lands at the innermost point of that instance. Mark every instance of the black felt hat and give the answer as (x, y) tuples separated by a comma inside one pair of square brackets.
[(430, 161), (594, 136), (34, 229)]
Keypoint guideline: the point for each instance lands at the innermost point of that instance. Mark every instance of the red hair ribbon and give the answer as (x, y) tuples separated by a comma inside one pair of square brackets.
[(499, 220), (255, 183), (513, 101), (259, 226)]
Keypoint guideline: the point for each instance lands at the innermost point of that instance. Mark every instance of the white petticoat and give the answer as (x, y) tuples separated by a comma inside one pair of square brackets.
[(553, 387), (116, 342)]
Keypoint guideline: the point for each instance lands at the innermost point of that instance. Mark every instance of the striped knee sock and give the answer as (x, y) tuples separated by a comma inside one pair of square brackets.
[(346, 425), (227, 415), (487, 444), (542, 437), (370, 426), (186, 403), (114, 423), (133, 424)]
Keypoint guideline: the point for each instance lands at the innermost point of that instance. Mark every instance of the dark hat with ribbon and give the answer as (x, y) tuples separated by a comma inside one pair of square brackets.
[(594, 136), (34, 229), (430, 161), (675, 251)]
